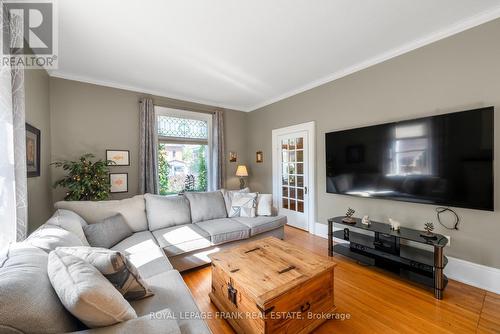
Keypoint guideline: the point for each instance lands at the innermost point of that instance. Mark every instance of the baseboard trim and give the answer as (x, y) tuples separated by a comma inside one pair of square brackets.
[(477, 275)]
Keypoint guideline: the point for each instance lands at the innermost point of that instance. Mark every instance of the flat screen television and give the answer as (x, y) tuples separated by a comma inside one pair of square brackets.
[(445, 160)]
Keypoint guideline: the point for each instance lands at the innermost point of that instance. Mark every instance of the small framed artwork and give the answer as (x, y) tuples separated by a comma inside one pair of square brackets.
[(119, 182), (259, 157), (233, 156), (32, 151), (119, 157)]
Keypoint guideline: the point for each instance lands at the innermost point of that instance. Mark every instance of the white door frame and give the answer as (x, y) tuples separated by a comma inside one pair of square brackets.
[(310, 127)]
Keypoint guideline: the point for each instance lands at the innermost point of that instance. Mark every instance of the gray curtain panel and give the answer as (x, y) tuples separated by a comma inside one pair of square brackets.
[(219, 168), (148, 153)]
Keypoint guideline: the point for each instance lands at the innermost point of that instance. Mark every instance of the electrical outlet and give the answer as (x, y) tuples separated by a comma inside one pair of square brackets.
[(449, 240)]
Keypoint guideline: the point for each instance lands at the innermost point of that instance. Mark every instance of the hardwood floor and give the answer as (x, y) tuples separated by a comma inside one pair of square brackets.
[(378, 302)]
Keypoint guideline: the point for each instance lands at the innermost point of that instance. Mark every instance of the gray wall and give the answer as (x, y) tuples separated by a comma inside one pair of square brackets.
[(38, 115), (454, 74), (92, 118)]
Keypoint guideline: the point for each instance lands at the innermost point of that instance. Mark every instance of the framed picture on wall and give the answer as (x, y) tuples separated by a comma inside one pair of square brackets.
[(32, 151), (119, 157), (119, 182), (233, 156), (259, 157)]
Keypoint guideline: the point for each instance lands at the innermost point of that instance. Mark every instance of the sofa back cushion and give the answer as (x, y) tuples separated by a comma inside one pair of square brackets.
[(71, 222), (28, 303), (206, 206), (133, 210), (166, 211), (48, 237)]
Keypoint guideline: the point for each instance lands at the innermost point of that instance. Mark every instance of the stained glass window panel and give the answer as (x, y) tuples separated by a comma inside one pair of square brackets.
[(182, 127)]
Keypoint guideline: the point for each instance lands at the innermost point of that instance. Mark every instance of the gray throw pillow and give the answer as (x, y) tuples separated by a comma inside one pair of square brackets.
[(243, 205), (115, 267), (107, 233)]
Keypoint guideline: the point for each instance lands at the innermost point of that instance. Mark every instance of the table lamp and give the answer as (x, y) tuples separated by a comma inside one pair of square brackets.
[(241, 172)]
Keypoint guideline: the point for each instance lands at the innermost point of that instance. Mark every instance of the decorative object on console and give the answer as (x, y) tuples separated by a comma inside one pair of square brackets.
[(348, 216), (118, 157), (241, 172), (32, 151), (86, 180), (259, 157), (428, 227), (366, 220), (395, 225), (119, 182), (233, 156)]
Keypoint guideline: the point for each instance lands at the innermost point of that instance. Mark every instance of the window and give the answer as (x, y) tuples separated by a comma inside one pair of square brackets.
[(183, 150), (411, 150)]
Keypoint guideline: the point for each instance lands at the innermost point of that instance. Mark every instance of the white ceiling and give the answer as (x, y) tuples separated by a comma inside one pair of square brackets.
[(246, 54)]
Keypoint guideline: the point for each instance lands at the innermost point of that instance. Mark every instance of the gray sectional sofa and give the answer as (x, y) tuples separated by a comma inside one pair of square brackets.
[(170, 234)]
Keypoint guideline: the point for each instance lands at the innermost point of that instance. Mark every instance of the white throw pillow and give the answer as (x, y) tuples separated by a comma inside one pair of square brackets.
[(264, 205), (228, 197), (243, 205), (85, 292)]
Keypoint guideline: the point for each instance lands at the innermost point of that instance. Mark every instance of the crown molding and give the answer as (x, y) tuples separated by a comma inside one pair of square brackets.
[(136, 89), (459, 27)]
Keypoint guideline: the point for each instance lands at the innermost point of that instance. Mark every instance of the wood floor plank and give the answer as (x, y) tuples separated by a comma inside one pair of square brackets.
[(379, 302)]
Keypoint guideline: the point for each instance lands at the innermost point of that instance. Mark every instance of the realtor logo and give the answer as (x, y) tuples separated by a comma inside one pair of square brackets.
[(29, 34)]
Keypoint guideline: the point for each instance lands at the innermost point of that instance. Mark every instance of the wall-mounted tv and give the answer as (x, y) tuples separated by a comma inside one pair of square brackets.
[(444, 160)]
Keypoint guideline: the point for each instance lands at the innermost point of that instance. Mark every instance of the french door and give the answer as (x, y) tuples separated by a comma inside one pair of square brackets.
[(293, 169)]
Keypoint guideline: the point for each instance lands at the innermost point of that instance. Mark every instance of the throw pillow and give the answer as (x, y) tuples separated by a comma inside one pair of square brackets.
[(264, 205), (107, 233), (229, 194), (115, 267), (85, 292), (243, 205)]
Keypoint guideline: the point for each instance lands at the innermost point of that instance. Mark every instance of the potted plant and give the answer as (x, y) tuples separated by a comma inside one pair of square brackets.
[(86, 180)]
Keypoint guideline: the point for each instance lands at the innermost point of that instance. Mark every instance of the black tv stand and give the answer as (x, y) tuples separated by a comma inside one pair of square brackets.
[(384, 249)]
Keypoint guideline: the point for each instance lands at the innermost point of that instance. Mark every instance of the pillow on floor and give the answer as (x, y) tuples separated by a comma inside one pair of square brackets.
[(264, 205), (243, 205), (115, 267), (85, 292), (108, 233)]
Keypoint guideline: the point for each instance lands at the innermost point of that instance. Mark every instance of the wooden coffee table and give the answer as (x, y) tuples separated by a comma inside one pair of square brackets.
[(271, 286)]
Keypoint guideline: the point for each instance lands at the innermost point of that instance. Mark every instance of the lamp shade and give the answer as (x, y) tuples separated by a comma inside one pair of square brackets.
[(241, 170)]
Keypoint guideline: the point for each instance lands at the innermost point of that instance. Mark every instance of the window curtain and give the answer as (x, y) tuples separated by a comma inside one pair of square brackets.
[(13, 183), (148, 148), (218, 166)]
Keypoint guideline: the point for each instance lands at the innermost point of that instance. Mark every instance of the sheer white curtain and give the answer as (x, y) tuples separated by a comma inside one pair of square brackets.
[(13, 184)]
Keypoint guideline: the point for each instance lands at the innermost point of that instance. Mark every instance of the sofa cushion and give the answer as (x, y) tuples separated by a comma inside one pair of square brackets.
[(261, 224), (171, 291), (85, 292), (159, 322), (136, 243), (108, 233), (224, 230), (182, 239), (48, 237), (166, 211), (116, 267), (69, 221), (143, 251), (28, 303), (228, 196), (206, 206), (133, 210), (243, 205)]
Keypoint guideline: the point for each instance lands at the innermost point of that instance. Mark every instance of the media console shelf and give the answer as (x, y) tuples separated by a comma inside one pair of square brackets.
[(383, 249)]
